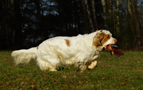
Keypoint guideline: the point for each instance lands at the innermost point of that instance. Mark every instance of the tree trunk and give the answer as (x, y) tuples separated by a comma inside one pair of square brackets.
[(136, 23), (117, 16), (12, 24), (88, 14), (104, 12), (110, 6), (130, 15), (112, 17), (85, 16), (6, 22), (129, 8), (94, 14), (17, 24)]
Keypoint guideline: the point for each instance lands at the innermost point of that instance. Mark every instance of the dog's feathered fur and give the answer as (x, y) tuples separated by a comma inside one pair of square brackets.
[(81, 51)]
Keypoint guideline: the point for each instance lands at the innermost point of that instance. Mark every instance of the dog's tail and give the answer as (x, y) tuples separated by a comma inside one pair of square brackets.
[(24, 56)]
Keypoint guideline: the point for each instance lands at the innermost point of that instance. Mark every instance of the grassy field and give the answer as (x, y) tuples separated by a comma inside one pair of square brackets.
[(112, 73)]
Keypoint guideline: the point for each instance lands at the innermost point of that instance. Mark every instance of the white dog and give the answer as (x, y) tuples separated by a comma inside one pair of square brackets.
[(81, 51)]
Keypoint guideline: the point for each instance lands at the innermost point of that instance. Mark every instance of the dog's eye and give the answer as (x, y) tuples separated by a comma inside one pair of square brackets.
[(108, 36)]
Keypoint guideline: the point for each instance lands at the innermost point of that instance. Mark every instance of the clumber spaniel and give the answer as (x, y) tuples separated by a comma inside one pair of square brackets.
[(81, 51)]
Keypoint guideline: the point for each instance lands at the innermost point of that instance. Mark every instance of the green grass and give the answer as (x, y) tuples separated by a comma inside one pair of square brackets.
[(112, 73)]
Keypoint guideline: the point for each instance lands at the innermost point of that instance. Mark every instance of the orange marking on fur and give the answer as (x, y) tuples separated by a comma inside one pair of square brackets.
[(100, 38), (37, 47), (105, 39), (67, 42)]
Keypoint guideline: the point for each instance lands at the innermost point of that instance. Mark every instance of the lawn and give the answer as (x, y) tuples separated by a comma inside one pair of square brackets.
[(112, 73)]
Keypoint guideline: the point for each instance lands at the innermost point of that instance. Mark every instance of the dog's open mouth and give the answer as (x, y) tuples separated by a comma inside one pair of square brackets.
[(109, 47)]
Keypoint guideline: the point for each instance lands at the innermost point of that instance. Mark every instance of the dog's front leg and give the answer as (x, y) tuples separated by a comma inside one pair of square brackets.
[(92, 65)]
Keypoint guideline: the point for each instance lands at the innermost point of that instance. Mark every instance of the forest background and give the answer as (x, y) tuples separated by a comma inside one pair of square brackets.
[(26, 23)]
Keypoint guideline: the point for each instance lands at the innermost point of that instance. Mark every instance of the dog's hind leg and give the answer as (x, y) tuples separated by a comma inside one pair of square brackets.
[(45, 65), (82, 68)]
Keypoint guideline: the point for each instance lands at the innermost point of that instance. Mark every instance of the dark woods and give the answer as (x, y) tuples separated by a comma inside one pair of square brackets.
[(26, 23)]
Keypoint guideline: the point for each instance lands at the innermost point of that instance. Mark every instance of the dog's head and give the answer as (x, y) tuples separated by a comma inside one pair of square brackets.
[(103, 38)]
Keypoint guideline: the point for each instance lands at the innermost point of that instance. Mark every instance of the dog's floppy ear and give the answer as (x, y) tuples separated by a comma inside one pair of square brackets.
[(97, 39), (98, 30)]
